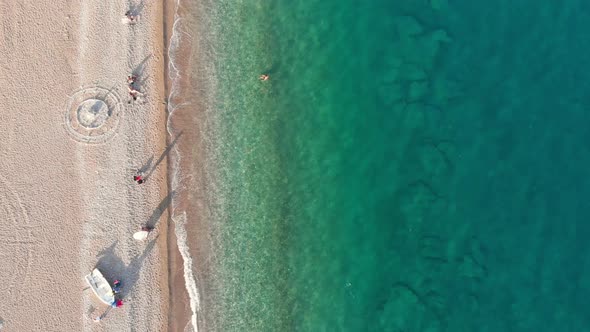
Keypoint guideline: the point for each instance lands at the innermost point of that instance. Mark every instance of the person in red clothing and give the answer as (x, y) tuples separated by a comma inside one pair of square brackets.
[(117, 304), (138, 178)]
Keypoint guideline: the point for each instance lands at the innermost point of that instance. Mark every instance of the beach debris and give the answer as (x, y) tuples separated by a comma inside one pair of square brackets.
[(97, 317), (263, 77), (142, 234)]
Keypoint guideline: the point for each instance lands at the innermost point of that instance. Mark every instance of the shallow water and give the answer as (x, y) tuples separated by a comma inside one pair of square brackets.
[(406, 167)]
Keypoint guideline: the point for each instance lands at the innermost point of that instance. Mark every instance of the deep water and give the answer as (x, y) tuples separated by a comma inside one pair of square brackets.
[(408, 166)]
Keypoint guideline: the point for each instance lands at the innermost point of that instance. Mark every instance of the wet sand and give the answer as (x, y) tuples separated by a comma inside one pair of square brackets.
[(191, 90), (179, 309)]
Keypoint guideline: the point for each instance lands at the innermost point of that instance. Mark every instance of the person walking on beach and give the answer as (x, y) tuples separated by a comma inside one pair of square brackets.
[(131, 79), (130, 17), (138, 178)]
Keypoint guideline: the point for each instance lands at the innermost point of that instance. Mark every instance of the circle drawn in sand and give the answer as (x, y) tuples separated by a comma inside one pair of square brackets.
[(16, 243), (93, 114)]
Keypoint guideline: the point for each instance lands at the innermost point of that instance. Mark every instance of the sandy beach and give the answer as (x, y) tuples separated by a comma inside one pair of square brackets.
[(71, 139)]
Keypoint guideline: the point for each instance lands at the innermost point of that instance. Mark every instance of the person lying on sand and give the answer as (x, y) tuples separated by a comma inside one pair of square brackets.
[(133, 93)]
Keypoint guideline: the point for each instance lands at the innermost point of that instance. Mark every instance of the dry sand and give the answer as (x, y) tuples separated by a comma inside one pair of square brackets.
[(67, 199)]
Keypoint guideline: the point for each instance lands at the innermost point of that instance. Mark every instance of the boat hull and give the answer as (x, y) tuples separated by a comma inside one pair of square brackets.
[(100, 286)]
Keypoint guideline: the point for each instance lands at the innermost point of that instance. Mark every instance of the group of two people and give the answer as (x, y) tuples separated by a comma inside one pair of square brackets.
[(133, 92), (116, 290)]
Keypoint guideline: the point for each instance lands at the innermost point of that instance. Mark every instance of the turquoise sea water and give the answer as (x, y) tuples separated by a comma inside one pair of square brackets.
[(409, 166)]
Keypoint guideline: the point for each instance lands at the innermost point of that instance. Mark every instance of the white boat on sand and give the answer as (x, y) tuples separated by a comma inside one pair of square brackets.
[(101, 287)]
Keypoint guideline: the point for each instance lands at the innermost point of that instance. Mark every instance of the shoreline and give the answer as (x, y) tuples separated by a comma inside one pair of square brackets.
[(189, 75), (178, 307), (178, 297)]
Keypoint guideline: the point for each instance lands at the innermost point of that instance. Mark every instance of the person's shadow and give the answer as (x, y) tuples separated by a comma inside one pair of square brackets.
[(146, 166), (113, 268), (155, 217), (110, 265), (138, 72), (136, 10), (162, 156)]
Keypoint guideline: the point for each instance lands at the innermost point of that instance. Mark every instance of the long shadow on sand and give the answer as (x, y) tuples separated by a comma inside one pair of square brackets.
[(113, 267), (138, 72), (164, 154), (155, 217), (136, 9), (146, 166)]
